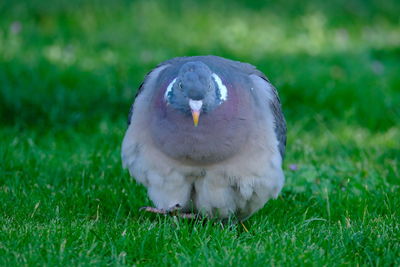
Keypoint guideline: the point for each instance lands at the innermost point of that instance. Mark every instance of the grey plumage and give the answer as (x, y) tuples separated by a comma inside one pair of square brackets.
[(229, 163), (280, 123)]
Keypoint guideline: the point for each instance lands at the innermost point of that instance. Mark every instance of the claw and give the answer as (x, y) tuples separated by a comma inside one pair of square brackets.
[(174, 210)]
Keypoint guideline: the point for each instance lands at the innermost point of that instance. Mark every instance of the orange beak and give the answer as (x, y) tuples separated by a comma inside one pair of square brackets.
[(195, 115), (195, 106)]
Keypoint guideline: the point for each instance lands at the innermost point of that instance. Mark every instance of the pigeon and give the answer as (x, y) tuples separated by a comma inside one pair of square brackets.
[(206, 136)]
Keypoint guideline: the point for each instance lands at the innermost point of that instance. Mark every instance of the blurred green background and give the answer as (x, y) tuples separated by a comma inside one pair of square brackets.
[(69, 71), (71, 62)]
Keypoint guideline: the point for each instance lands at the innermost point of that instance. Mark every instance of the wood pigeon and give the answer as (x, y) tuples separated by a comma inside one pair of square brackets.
[(206, 135)]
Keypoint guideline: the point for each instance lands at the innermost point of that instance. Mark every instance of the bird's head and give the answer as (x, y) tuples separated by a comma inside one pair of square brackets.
[(195, 90)]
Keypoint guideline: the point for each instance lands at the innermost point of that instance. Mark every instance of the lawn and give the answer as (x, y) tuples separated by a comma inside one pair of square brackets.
[(69, 71)]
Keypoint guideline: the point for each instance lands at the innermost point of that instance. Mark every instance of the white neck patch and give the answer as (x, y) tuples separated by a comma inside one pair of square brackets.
[(169, 90), (223, 91)]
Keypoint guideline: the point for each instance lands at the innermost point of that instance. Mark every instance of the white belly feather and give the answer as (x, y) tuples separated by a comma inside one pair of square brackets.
[(240, 185)]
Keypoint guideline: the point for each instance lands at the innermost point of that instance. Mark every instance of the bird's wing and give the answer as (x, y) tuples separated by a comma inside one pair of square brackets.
[(274, 101), (275, 106), (280, 123), (153, 74), (136, 95)]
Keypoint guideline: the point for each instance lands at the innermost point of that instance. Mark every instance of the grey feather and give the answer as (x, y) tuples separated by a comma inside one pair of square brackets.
[(139, 90), (280, 123), (137, 93)]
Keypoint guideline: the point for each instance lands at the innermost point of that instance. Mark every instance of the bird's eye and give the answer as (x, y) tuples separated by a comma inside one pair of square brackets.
[(180, 85)]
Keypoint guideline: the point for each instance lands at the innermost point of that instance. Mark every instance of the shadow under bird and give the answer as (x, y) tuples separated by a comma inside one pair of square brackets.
[(206, 135)]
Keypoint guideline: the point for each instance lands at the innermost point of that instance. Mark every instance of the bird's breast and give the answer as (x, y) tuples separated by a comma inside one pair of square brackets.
[(219, 135)]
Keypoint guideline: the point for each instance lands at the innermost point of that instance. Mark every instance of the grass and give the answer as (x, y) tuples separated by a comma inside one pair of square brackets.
[(69, 72)]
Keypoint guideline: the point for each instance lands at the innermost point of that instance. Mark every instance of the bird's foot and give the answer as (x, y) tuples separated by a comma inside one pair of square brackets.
[(173, 211), (153, 210)]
